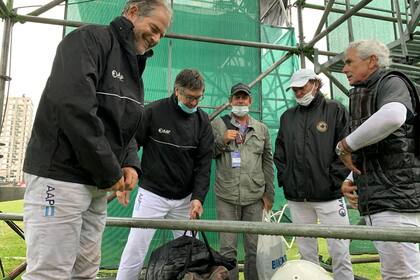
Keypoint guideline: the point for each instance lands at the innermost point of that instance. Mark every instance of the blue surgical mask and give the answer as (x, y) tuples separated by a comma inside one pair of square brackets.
[(186, 109)]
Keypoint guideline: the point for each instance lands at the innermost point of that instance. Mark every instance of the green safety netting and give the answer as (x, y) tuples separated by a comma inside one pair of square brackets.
[(363, 28), (221, 65)]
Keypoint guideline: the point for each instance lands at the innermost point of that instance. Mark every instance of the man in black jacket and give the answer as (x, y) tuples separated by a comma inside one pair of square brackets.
[(177, 142), (385, 183), (309, 170), (82, 143)]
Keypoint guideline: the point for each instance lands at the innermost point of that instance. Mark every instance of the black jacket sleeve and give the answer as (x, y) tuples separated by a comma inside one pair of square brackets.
[(131, 158), (280, 155), (202, 161), (338, 172), (143, 130), (77, 68), (267, 166)]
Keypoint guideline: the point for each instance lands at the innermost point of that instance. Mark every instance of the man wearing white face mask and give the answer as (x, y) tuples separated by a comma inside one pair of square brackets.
[(244, 174), (309, 170)]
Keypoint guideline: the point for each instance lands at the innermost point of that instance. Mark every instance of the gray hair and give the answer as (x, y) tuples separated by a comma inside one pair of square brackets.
[(190, 79), (366, 48), (317, 79), (146, 7)]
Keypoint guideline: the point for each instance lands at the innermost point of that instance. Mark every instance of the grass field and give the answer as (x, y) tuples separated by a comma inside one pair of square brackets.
[(12, 247)]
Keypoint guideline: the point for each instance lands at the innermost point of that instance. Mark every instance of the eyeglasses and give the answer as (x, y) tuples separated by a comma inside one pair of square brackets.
[(191, 98)]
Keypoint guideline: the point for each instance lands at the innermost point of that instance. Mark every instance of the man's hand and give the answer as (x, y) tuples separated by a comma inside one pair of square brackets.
[(348, 162), (196, 209), (123, 197), (229, 135), (267, 203), (344, 152), (118, 186), (349, 191), (130, 178)]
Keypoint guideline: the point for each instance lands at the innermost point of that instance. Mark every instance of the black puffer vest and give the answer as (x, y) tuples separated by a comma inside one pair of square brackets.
[(390, 177)]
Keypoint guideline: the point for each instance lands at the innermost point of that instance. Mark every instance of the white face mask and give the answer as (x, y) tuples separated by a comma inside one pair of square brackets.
[(240, 111), (306, 99)]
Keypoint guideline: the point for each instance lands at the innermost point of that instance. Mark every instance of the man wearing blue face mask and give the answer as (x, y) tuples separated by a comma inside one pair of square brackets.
[(309, 170), (177, 142), (244, 174)]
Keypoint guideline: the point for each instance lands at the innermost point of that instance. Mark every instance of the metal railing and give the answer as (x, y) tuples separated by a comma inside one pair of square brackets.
[(355, 232), (399, 234)]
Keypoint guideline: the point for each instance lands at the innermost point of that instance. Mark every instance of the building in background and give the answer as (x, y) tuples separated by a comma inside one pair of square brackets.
[(15, 135)]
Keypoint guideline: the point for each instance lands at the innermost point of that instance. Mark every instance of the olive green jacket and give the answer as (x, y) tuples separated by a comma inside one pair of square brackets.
[(248, 183)]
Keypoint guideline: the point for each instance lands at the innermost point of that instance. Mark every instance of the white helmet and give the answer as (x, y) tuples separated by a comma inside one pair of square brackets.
[(301, 270)]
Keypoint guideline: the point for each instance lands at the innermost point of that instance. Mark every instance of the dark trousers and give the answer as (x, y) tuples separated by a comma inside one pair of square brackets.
[(229, 241)]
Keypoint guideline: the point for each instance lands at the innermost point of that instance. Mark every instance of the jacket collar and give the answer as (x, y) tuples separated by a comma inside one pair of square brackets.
[(174, 101), (251, 121), (123, 29), (372, 79)]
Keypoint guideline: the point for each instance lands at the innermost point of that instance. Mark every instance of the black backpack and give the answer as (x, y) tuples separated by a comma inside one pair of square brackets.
[(185, 254)]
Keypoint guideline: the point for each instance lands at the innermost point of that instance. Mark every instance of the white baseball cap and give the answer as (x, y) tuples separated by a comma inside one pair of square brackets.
[(301, 77)]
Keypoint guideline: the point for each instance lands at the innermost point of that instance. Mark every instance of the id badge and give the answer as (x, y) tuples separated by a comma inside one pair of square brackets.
[(236, 159)]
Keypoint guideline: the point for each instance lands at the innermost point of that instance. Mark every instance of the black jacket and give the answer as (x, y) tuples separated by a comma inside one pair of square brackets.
[(177, 150), (90, 109), (307, 166)]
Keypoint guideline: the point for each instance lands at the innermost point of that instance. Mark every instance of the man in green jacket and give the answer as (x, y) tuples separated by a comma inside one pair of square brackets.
[(244, 174)]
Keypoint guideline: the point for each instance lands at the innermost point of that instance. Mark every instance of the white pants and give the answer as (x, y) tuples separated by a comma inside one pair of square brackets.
[(63, 229), (332, 212), (398, 260), (152, 206)]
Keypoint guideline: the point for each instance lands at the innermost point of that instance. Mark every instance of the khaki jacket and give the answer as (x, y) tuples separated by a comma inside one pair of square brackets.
[(245, 184)]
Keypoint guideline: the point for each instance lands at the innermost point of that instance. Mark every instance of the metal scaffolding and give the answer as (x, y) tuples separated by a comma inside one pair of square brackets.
[(405, 50), (405, 53)]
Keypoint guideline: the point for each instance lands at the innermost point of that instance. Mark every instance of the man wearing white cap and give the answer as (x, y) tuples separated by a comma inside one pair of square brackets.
[(309, 170)]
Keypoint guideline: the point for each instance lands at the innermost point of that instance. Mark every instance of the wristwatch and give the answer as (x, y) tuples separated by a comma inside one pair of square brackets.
[(339, 149)]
